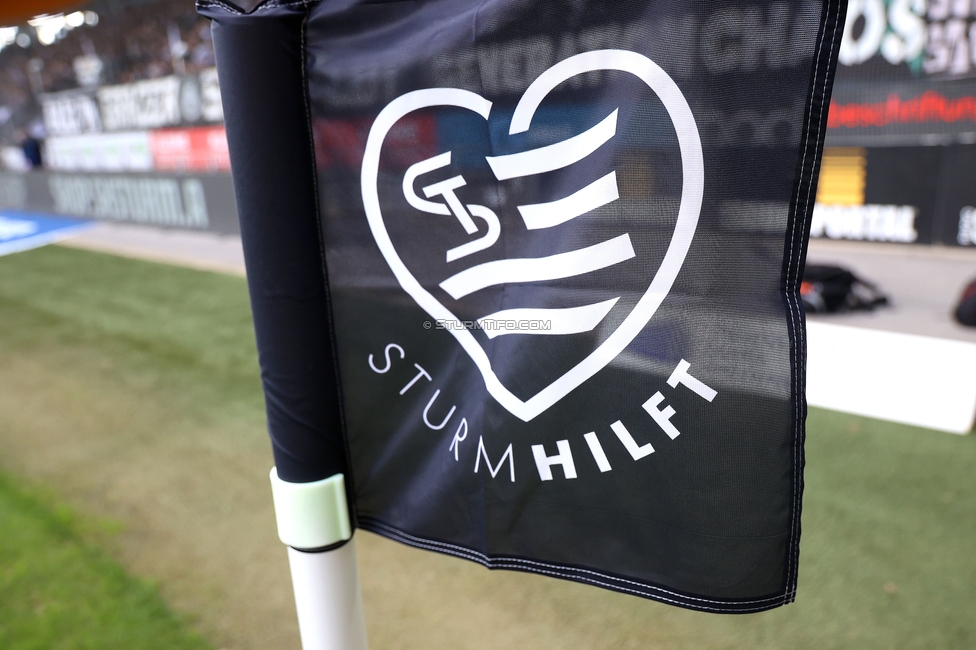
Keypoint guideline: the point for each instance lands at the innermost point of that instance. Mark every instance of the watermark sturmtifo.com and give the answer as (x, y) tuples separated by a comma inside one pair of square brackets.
[(533, 325)]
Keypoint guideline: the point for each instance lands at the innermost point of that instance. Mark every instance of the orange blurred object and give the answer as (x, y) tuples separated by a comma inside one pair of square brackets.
[(14, 12)]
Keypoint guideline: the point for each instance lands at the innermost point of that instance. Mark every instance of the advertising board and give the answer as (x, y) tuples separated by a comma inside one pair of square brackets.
[(125, 151), (201, 148), (175, 200)]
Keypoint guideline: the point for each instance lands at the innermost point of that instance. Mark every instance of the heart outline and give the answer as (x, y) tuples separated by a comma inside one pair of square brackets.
[(692, 190)]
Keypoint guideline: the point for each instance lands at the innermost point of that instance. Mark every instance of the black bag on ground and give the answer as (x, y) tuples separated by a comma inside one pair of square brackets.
[(966, 309), (829, 289)]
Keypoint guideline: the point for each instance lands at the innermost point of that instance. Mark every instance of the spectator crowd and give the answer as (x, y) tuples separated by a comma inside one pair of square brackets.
[(122, 41)]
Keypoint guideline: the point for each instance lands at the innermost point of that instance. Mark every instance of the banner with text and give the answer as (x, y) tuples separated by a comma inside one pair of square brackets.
[(905, 195), (148, 104), (177, 200), (907, 74)]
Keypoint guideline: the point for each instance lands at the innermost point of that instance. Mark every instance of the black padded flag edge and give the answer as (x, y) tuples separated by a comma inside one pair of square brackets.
[(527, 274)]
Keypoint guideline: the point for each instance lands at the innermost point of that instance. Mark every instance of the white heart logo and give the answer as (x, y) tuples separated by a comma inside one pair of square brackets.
[(563, 265)]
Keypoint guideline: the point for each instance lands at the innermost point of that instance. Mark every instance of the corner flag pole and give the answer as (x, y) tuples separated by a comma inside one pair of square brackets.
[(261, 62), (313, 520)]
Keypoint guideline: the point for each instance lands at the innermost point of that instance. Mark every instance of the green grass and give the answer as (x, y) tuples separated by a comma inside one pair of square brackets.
[(172, 325), (58, 591), (133, 388), (887, 558)]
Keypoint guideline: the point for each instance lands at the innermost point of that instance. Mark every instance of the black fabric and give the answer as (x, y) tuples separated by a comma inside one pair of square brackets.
[(262, 84), (641, 428)]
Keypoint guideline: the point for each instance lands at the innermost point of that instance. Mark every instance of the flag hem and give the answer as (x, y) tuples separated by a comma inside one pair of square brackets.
[(795, 245), (579, 574)]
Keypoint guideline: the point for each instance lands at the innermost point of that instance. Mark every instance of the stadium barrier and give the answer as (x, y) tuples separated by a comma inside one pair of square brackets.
[(917, 380)]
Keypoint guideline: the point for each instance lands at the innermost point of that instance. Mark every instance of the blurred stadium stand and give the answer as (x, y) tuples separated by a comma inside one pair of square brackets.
[(117, 103), (115, 43)]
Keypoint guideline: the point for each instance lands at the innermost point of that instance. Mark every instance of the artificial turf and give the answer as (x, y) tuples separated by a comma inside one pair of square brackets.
[(111, 366)]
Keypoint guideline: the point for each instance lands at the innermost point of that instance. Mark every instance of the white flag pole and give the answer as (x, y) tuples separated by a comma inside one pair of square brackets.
[(313, 520)]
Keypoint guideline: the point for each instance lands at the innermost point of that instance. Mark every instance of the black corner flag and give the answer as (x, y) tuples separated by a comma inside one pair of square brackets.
[(526, 274)]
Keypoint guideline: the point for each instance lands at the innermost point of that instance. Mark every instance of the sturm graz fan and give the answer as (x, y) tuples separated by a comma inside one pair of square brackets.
[(526, 274)]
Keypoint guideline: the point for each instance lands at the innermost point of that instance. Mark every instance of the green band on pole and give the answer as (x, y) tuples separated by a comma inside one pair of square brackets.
[(311, 515)]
